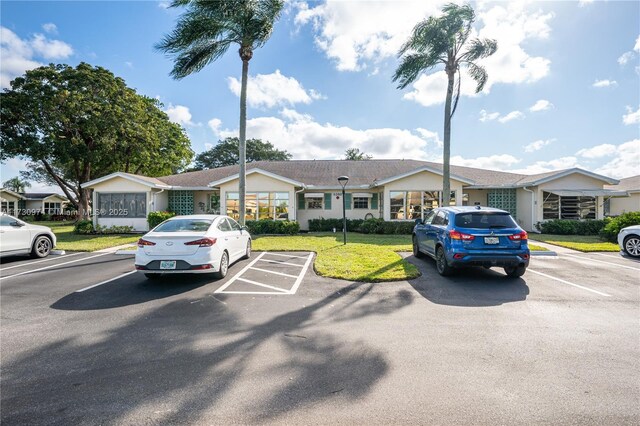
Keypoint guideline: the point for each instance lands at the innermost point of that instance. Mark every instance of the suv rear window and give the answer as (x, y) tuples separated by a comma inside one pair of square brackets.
[(485, 220), (181, 225)]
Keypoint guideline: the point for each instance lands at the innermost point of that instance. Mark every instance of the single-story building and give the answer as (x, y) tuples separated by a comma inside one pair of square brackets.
[(31, 203), (618, 205), (388, 189)]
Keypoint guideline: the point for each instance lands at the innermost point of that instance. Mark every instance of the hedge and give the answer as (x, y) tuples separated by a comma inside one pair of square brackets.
[(327, 225), (156, 218), (274, 227), (83, 227), (572, 227), (611, 230), (369, 226)]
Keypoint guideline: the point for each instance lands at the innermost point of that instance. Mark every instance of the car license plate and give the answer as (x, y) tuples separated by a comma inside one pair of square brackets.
[(491, 240), (167, 264)]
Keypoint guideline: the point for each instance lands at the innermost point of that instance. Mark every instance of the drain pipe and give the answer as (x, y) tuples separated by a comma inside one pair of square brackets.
[(155, 198), (295, 202), (533, 208)]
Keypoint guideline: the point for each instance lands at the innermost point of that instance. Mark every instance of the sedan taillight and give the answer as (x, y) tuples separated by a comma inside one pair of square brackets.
[(522, 236), (143, 242), (457, 235), (203, 242)]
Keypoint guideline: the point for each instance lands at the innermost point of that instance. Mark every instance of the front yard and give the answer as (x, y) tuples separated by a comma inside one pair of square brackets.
[(584, 243), (69, 241)]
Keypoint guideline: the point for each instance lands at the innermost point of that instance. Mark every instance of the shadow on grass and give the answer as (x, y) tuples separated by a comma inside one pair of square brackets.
[(179, 362)]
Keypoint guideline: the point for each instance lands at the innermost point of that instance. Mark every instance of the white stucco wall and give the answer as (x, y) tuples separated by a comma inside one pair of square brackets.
[(119, 184), (621, 205), (476, 196), (335, 211), (5, 196)]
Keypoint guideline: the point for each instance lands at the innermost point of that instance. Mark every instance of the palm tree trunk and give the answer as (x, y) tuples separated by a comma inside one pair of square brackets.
[(243, 140), (446, 156)]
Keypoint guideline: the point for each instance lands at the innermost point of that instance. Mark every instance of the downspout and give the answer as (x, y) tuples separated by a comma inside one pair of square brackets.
[(154, 198), (533, 208), (295, 202)]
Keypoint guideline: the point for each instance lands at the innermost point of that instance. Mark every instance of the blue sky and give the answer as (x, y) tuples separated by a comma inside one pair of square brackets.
[(563, 89)]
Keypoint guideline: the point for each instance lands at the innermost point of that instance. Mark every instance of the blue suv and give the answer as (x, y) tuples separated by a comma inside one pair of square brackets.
[(472, 236)]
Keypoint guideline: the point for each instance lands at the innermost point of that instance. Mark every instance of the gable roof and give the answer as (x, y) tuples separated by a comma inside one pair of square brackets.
[(259, 171), (10, 192), (37, 196), (143, 180), (540, 178), (630, 184)]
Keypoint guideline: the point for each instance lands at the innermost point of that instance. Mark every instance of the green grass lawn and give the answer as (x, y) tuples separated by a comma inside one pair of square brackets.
[(69, 241), (584, 243)]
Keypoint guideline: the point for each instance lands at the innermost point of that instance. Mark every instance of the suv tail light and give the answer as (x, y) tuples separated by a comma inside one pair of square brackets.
[(142, 243), (522, 236), (457, 235), (203, 242)]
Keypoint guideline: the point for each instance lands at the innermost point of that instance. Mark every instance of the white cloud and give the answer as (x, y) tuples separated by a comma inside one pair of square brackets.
[(274, 89), (513, 115), (19, 55), (625, 163), (179, 114), (214, 124), (488, 116), (492, 162), (163, 4), (605, 83), (631, 117), (636, 47), (598, 151), (547, 166), (541, 105), (538, 145), (583, 3), (305, 138), (625, 57), (50, 28), (430, 136), (129, 64)]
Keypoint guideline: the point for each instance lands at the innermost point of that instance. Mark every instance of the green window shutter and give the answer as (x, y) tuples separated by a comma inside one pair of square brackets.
[(327, 201), (374, 202), (347, 200), (300, 201)]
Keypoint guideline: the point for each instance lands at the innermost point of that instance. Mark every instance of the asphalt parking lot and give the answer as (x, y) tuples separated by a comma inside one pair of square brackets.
[(85, 340)]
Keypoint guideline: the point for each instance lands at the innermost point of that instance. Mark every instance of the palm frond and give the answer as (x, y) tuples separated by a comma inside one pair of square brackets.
[(479, 74), (480, 48), (412, 65), (197, 57)]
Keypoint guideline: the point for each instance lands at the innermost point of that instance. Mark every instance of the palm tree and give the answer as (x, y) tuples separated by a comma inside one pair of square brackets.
[(16, 184), (444, 41), (204, 33)]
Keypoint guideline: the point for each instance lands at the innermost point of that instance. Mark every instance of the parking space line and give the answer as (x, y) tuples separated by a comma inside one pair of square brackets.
[(262, 285), (302, 274), (569, 283), (245, 269), (274, 272), (288, 255), (52, 266), (107, 281), (41, 261), (601, 261), (282, 263)]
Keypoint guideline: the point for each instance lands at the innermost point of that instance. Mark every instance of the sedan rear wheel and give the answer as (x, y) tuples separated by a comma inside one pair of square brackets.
[(41, 247), (247, 253), (224, 266), (632, 246), (441, 263)]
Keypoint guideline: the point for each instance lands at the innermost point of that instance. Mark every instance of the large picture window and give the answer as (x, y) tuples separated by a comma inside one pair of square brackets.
[(572, 208), (129, 205), (259, 205), (411, 205), (52, 208)]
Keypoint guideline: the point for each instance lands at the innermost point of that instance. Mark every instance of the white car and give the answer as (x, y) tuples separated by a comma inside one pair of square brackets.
[(629, 240), (18, 237), (192, 244)]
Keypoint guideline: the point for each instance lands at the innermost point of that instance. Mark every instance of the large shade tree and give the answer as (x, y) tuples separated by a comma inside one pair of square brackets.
[(225, 153), (77, 124), (443, 41), (206, 31), (16, 184)]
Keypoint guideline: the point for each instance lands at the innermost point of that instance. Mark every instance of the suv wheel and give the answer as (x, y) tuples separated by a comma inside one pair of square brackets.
[(416, 251), (515, 271), (41, 247), (441, 263), (632, 245)]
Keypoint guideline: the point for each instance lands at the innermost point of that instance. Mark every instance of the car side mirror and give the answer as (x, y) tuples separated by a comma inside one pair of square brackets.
[(17, 223), (419, 222)]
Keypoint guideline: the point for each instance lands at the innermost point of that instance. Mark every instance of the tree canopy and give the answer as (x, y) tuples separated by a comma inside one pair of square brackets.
[(78, 124), (225, 153), (356, 154), (16, 184)]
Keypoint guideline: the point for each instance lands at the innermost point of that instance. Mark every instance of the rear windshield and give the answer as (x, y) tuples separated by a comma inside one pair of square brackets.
[(485, 220), (181, 225)]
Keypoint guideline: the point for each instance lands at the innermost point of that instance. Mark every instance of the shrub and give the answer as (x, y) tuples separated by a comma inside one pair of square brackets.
[(327, 225), (571, 227), (368, 226), (274, 227), (611, 230), (372, 226), (83, 227), (156, 218), (114, 229)]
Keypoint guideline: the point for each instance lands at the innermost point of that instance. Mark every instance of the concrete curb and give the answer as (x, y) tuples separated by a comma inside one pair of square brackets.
[(57, 252), (125, 252), (543, 253)]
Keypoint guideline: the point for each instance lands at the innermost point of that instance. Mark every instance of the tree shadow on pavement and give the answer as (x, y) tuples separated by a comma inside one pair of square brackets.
[(471, 287), (185, 359)]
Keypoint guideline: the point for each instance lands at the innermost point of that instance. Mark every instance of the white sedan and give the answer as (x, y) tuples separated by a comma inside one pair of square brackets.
[(192, 244), (629, 240), (18, 237)]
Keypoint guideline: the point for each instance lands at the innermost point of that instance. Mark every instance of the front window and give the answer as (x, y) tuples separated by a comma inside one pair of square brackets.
[(572, 208), (184, 225), (259, 205), (52, 208), (314, 203), (127, 205), (405, 205), (360, 202)]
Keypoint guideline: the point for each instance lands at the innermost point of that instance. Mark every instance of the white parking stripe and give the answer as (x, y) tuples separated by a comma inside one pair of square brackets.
[(287, 255), (245, 269), (107, 281), (569, 283), (274, 272), (601, 261), (262, 285), (52, 266), (40, 261), (304, 271), (282, 263)]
